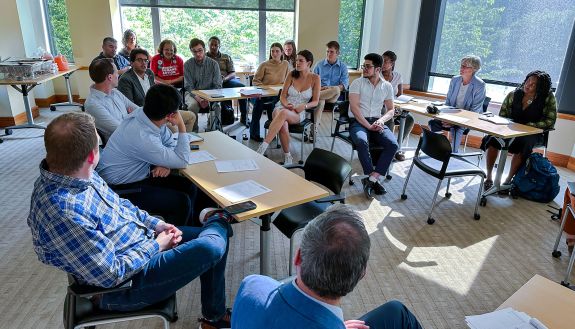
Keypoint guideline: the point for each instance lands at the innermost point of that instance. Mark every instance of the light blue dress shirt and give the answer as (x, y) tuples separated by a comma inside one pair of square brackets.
[(332, 74), (137, 145)]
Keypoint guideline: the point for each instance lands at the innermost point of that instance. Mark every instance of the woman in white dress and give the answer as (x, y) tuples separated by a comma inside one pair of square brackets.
[(300, 92)]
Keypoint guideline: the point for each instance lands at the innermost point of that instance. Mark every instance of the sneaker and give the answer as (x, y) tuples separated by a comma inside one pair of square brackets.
[(288, 159), (206, 213), (367, 187), (378, 189), (224, 323), (400, 156), (262, 148)]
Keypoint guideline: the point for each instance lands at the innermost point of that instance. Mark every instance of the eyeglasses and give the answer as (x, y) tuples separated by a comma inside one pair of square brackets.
[(366, 66), (142, 60), (466, 67), (198, 51)]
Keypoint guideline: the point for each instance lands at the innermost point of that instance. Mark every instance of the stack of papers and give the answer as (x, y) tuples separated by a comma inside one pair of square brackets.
[(236, 165), (252, 92), (200, 156), (403, 99), (503, 319), (495, 119), (195, 137)]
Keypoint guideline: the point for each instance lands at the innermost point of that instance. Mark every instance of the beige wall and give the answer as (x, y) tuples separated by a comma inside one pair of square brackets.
[(316, 25)]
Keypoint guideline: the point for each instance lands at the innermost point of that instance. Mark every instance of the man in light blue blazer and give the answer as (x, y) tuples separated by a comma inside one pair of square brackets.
[(330, 262), (466, 91)]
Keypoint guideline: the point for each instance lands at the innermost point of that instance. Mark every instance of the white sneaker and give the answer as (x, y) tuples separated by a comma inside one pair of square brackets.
[(288, 159), (204, 214), (262, 148)]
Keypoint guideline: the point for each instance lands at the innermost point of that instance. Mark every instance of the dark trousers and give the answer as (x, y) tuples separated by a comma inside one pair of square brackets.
[(362, 138), (234, 83), (391, 315), (175, 198), (257, 115)]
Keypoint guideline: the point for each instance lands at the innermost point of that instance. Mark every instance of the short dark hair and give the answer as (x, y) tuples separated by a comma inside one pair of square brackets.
[(214, 38), (161, 100), (136, 51), (334, 252), (164, 43), (390, 54), (375, 59), (99, 69), (69, 139), (109, 39), (195, 41), (333, 44), (308, 57)]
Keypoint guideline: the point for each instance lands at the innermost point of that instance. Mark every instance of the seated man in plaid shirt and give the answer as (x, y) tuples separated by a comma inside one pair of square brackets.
[(82, 227)]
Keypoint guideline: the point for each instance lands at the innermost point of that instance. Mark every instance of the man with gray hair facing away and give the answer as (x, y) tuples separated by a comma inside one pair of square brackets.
[(330, 262)]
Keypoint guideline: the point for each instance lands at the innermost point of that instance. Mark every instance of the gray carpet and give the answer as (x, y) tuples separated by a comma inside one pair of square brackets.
[(442, 272)]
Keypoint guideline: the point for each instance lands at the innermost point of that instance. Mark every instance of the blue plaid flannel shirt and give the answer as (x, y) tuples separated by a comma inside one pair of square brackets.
[(86, 229)]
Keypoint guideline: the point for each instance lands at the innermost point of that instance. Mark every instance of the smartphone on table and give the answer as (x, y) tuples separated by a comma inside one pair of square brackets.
[(194, 147), (240, 207)]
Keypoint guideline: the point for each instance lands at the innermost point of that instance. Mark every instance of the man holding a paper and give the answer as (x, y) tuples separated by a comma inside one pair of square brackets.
[(141, 153)]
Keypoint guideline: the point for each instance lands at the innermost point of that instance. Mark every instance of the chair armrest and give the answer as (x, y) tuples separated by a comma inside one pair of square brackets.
[(293, 166), (84, 290), (465, 155), (332, 199)]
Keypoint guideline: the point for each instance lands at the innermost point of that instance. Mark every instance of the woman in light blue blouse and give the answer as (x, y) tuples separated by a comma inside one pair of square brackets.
[(466, 91)]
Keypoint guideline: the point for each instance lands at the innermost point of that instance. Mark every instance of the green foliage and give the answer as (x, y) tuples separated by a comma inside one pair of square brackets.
[(58, 19), (350, 25), (238, 30)]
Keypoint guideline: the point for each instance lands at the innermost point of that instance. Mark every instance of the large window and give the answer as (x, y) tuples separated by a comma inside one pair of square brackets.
[(511, 37), (236, 24), (57, 28), (351, 13)]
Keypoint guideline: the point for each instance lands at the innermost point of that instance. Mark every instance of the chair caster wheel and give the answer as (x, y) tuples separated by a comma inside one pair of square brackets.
[(404, 197), (300, 162), (448, 195), (8, 132), (351, 182), (52, 108), (388, 177), (430, 221), (556, 253), (483, 202), (476, 216), (565, 284)]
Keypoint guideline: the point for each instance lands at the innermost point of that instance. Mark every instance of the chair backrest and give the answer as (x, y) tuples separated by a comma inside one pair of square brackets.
[(327, 169), (434, 145), (343, 108), (486, 101)]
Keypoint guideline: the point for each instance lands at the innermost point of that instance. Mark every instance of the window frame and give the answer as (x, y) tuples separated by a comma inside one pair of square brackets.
[(49, 31)]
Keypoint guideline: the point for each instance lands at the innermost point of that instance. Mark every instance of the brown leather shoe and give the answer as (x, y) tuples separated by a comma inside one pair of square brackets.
[(400, 156)]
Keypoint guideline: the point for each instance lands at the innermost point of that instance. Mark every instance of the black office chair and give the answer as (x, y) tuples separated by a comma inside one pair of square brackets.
[(544, 141), (344, 97), (327, 169), (439, 162), (301, 128), (466, 131), (80, 312), (341, 131)]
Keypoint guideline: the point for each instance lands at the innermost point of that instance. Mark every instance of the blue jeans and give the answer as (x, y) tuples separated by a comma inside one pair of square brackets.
[(391, 315), (456, 133), (362, 137), (202, 252), (257, 115), (234, 83)]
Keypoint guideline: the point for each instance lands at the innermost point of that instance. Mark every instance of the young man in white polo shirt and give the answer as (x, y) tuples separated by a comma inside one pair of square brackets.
[(369, 97)]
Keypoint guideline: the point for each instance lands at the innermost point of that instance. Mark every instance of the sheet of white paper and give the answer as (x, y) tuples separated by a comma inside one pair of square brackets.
[(242, 191), (200, 156), (501, 319), (236, 165), (251, 92), (213, 93), (453, 118), (195, 138), (495, 119)]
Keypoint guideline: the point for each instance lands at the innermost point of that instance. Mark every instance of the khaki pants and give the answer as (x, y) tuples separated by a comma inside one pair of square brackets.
[(189, 118), (193, 106), (330, 95)]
